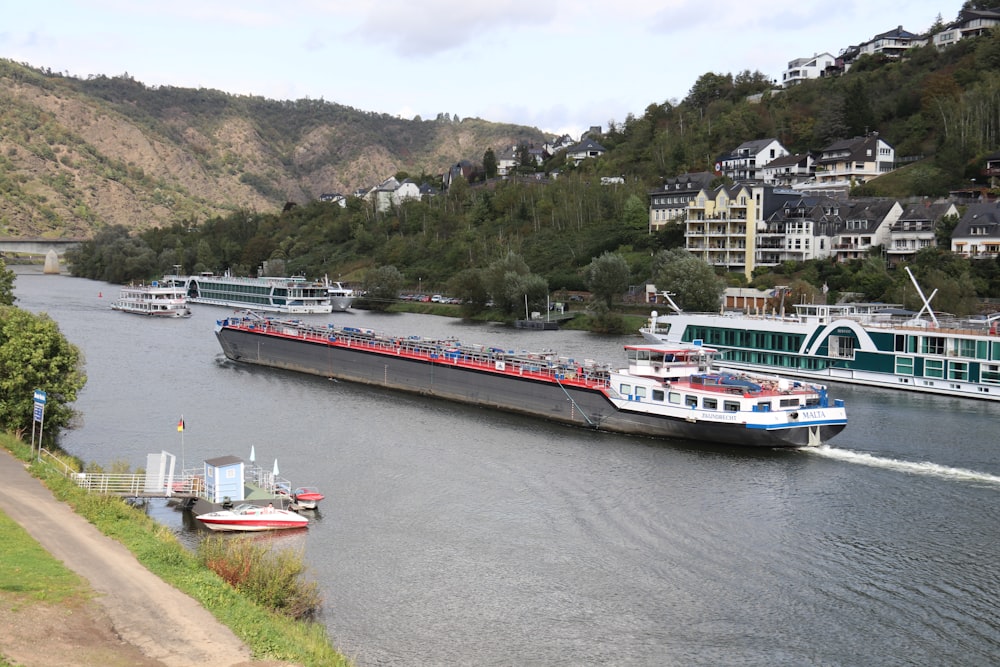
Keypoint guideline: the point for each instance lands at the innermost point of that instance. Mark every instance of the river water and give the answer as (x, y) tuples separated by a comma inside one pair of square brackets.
[(458, 536)]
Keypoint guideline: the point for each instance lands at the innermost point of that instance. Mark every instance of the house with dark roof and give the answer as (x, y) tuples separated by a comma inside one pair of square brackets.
[(850, 162), (802, 228), (865, 225), (977, 234), (461, 169), (914, 230), (970, 23), (588, 148), (746, 162), (789, 169), (334, 198), (890, 44), (670, 202)]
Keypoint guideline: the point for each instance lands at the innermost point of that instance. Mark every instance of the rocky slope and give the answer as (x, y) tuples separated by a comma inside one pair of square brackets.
[(77, 155)]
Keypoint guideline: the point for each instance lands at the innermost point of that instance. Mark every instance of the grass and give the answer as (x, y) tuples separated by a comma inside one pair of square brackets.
[(270, 635), (28, 571)]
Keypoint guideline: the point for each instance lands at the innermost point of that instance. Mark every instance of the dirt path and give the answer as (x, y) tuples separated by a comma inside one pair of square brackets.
[(138, 618)]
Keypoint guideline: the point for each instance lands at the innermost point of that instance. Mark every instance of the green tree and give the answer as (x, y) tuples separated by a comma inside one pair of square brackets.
[(490, 163), (470, 286), (691, 280), (502, 283), (943, 229), (525, 163), (382, 285), (35, 355), (6, 285), (608, 277)]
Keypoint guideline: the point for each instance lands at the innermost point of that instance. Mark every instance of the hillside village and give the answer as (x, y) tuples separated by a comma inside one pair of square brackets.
[(763, 205)]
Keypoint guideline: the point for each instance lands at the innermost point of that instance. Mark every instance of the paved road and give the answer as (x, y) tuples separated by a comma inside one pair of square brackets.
[(148, 613)]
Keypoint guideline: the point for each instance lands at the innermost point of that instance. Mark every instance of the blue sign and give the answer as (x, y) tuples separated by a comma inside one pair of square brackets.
[(40, 397), (39, 412)]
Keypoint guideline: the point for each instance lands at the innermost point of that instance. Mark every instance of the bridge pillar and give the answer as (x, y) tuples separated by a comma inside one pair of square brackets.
[(51, 263)]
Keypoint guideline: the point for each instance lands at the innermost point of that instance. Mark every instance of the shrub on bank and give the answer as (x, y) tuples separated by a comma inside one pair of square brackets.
[(269, 577)]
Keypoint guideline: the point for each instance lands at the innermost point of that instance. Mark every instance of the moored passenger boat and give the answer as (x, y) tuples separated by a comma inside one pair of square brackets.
[(341, 296), (156, 300), (665, 392), (874, 344), (294, 295)]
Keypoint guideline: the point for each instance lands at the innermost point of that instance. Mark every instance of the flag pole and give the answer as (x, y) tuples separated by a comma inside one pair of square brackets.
[(180, 427)]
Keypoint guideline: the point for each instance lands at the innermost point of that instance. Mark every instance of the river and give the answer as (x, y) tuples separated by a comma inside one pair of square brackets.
[(458, 536)]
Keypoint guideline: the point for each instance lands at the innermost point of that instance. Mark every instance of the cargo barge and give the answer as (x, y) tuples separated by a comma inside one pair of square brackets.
[(670, 392)]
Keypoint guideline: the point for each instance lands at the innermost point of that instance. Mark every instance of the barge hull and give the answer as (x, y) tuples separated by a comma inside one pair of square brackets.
[(569, 404)]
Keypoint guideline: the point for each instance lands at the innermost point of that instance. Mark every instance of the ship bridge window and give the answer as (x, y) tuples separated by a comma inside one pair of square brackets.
[(964, 347), (906, 343), (731, 406), (932, 345)]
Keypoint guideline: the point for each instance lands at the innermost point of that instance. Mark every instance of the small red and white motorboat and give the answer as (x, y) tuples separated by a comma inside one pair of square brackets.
[(307, 497), (247, 517)]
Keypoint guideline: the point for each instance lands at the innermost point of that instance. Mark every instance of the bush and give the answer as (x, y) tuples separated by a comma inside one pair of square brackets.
[(268, 576)]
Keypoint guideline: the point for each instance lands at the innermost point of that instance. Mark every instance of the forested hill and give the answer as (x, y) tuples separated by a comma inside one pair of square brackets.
[(80, 155), (77, 155)]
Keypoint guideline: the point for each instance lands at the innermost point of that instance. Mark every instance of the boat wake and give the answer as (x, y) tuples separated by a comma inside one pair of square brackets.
[(914, 467)]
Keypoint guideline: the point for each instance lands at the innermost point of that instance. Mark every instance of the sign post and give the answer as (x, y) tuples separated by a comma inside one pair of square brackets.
[(38, 416)]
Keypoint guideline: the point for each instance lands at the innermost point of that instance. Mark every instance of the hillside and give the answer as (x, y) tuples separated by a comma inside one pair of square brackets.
[(80, 155)]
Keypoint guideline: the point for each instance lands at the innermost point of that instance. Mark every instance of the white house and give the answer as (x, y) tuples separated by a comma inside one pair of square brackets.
[(789, 169), (803, 69), (588, 148), (977, 234), (745, 163), (914, 230)]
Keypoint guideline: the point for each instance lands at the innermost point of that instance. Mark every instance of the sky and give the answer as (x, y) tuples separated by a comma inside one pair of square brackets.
[(559, 65)]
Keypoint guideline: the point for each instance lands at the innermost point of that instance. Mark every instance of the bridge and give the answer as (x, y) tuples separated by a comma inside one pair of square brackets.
[(38, 246)]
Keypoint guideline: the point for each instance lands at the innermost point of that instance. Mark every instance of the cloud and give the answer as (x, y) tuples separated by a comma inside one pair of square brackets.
[(438, 26)]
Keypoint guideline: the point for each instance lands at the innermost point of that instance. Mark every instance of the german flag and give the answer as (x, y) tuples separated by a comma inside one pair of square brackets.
[(180, 425)]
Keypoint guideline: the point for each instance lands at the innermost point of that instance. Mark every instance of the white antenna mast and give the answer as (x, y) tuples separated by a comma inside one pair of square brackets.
[(926, 300)]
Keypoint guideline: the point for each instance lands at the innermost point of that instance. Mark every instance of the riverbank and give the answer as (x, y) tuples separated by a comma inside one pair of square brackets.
[(149, 602)]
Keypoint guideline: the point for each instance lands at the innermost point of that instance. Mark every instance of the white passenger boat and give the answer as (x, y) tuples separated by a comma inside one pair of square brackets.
[(158, 299), (341, 296), (874, 344), (295, 295)]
